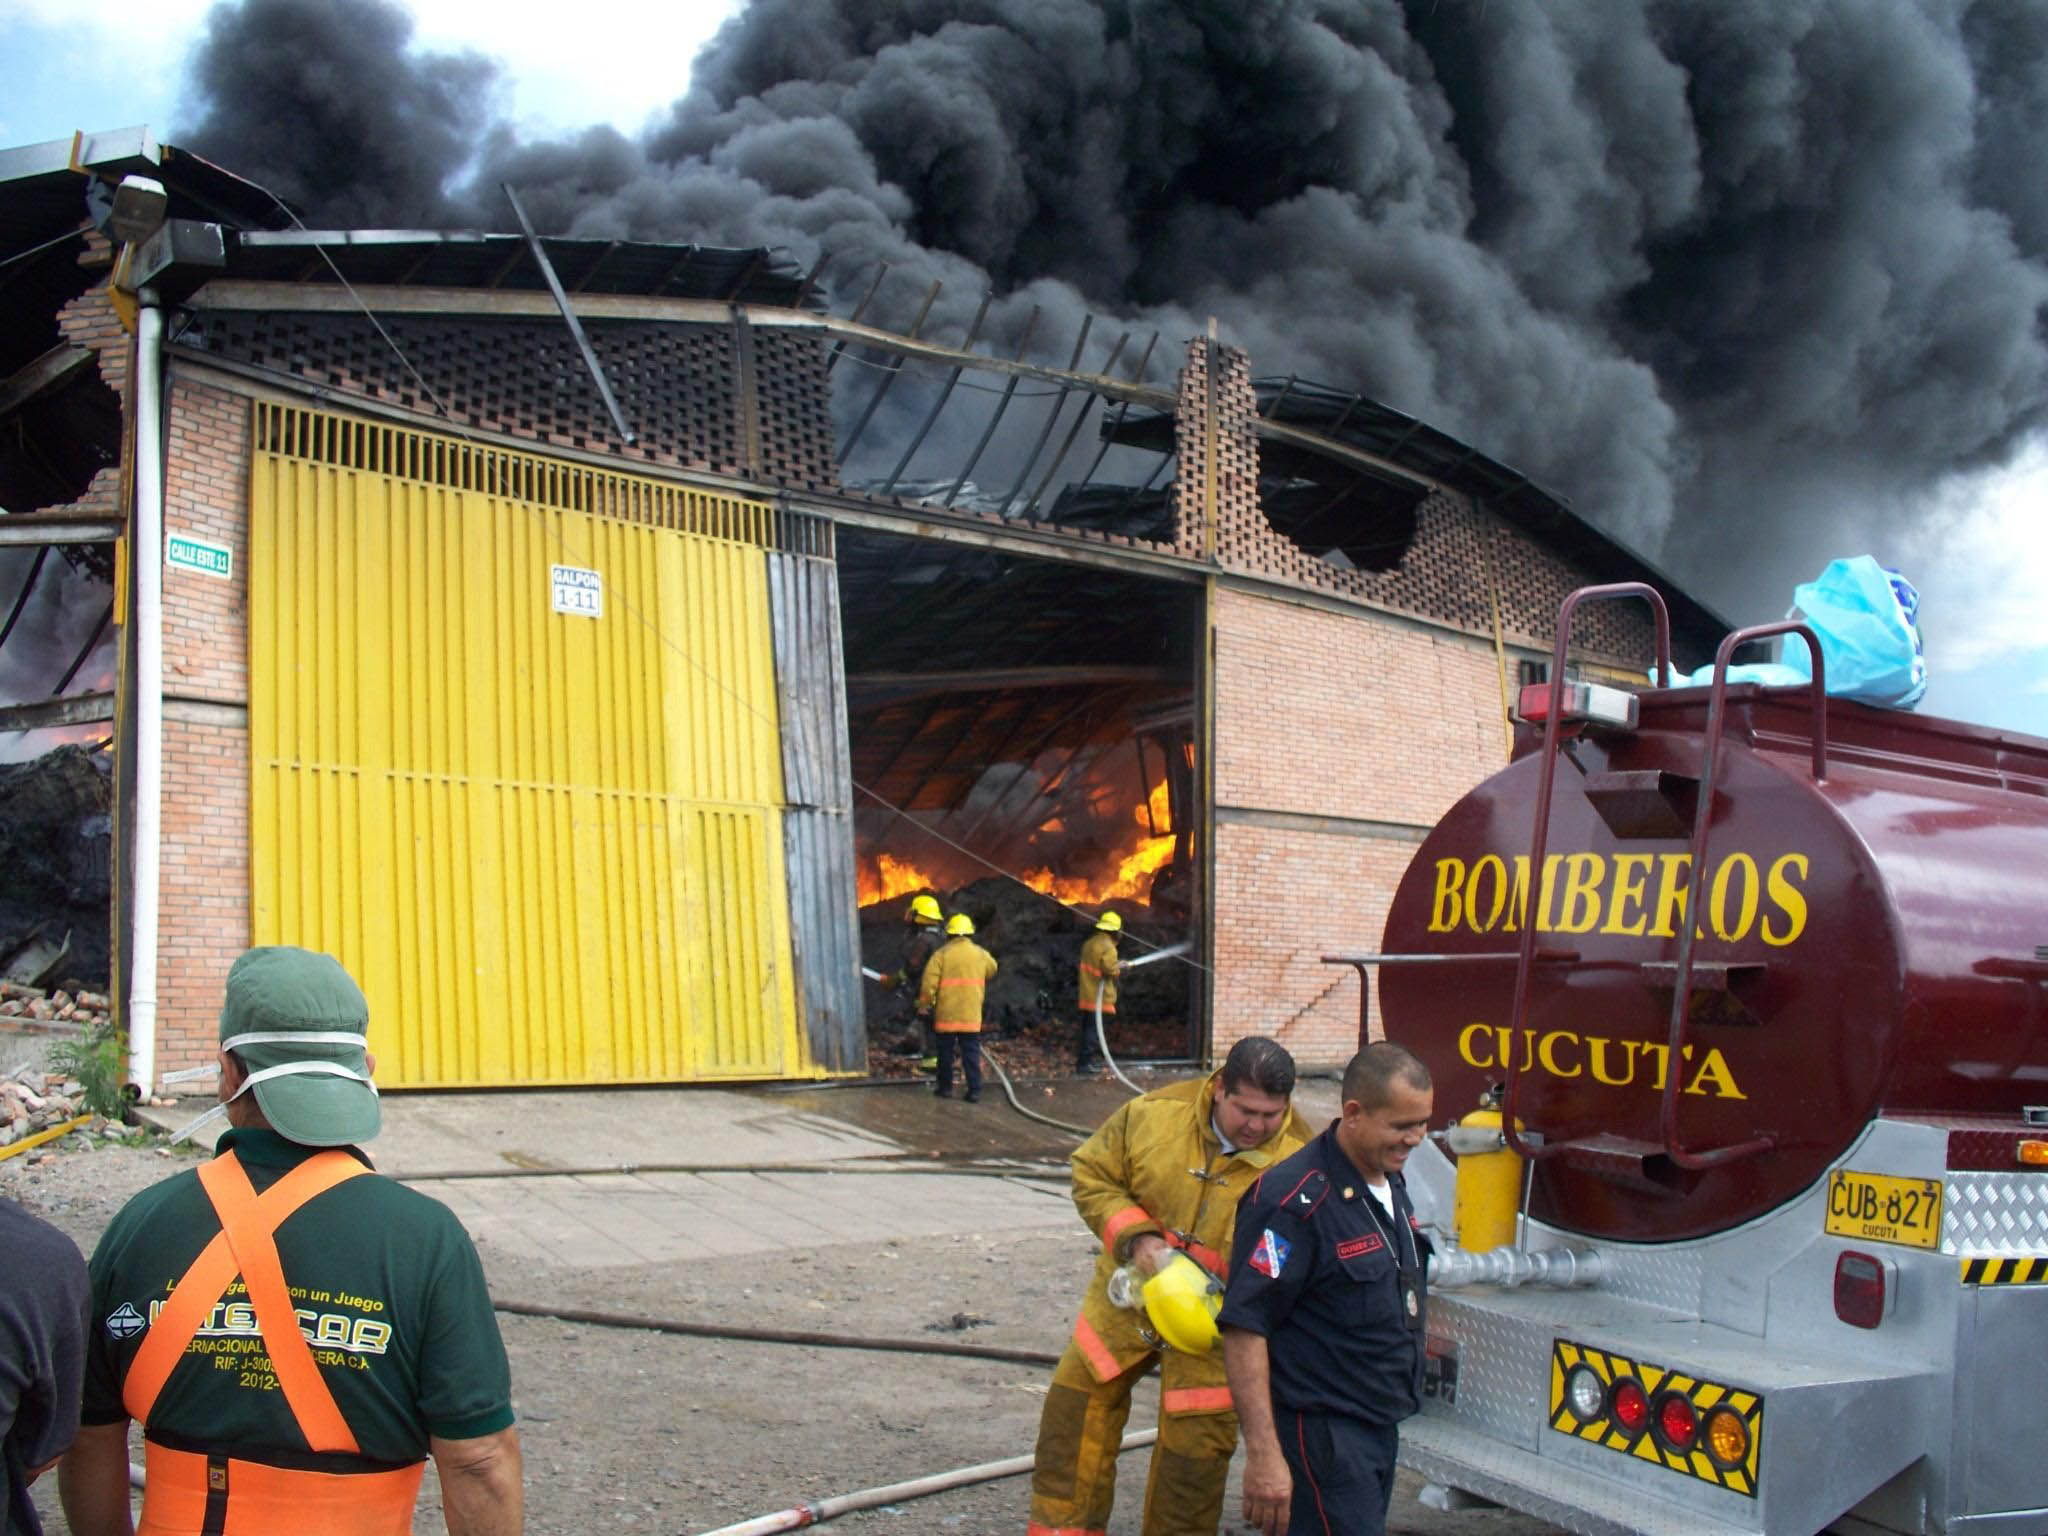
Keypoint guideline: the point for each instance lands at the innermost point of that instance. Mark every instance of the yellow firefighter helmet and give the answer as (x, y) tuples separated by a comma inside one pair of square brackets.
[(925, 909), (958, 924), (1109, 922), (1182, 1301)]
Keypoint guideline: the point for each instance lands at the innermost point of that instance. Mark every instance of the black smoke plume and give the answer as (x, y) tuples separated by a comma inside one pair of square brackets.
[(1739, 280)]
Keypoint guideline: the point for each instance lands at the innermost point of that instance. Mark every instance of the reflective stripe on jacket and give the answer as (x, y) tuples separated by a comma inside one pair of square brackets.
[(211, 1490), (955, 982), (1156, 1166), (1098, 968)]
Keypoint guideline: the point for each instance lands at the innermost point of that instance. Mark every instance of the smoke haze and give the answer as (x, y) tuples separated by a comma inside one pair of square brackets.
[(1744, 281)]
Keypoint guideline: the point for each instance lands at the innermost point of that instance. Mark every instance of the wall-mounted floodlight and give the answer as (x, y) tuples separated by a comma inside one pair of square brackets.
[(139, 208)]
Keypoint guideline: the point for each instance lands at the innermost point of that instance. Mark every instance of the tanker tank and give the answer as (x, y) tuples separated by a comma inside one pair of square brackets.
[(1872, 941)]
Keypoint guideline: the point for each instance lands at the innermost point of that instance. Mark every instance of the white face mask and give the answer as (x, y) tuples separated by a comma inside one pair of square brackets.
[(294, 1068), (285, 1069)]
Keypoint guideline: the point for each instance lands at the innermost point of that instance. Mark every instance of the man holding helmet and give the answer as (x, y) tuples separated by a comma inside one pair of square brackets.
[(1159, 1184)]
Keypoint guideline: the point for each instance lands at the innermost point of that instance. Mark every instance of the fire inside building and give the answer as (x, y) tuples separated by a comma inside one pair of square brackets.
[(598, 644)]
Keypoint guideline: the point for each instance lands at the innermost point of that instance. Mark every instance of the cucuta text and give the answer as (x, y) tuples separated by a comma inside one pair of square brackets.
[(1617, 1063), (1625, 893)]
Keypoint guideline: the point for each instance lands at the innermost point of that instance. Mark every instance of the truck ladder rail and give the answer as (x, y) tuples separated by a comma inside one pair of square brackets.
[(1547, 773), (1481, 957), (1703, 814)]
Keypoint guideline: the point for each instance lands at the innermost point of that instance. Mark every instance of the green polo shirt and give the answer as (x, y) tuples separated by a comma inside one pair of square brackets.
[(389, 1293)]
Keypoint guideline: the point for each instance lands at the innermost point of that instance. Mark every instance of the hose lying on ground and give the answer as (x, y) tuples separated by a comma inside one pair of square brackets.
[(1030, 1114), (797, 1516), (776, 1335)]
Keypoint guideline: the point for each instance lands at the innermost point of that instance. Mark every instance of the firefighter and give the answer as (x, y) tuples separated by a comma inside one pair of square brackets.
[(1158, 1181), (922, 920), (956, 981), (1323, 1321), (1098, 980), (294, 1333)]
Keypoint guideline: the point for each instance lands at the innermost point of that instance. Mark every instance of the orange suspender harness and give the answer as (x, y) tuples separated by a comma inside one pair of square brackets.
[(192, 1493)]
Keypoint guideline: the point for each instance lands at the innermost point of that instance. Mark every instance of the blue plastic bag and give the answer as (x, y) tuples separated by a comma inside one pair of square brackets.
[(1865, 617)]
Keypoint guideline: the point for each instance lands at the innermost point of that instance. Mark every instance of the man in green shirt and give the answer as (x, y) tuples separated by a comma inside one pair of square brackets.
[(294, 1333)]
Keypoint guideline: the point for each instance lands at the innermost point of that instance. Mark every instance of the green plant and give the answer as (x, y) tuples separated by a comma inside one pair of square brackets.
[(95, 1060)]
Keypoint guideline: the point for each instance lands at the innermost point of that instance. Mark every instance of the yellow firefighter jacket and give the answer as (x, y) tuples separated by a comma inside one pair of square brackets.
[(955, 981), (1157, 1166), (1098, 965)]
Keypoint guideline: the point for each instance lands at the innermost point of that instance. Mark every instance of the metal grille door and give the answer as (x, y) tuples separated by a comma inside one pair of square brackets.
[(515, 757)]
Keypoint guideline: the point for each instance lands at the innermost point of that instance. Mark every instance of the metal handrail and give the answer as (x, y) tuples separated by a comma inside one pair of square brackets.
[(1703, 813), (1546, 776)]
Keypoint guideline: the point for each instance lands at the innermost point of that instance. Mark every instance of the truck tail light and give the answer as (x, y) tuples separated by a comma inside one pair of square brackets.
[(1859, 1290), (1587, 1394), (2033, 1154), (1583, 704), (1630, 1406), (1678, 1426), (1727, 1437)]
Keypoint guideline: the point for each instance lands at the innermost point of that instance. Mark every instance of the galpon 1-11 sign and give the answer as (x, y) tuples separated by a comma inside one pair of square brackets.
[(1624, 894)]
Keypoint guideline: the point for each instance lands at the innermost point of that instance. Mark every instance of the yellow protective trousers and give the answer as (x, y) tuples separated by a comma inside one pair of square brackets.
[(1073, 1483)]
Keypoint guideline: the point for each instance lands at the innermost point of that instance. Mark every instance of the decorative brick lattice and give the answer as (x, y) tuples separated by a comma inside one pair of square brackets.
[(1459, 564), (677, 385)]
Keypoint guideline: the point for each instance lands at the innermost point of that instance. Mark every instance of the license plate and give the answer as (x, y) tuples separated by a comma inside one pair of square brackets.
[(1881, 1208)]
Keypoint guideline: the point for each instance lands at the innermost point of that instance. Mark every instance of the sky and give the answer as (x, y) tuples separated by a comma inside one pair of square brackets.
[(72, 65), (1979, 555)]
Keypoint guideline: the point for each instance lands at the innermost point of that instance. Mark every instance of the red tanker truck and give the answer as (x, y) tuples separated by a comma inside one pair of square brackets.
[(1746, 1230)]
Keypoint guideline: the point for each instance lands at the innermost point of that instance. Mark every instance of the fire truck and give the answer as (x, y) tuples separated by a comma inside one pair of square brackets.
[(1739, 999)]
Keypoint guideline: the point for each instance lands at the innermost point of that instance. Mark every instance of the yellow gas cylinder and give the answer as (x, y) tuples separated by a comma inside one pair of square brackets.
[(1489, 1178)]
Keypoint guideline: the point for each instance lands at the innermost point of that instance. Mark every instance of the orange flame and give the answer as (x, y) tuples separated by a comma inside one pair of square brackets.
[(887, 876), (1133, 877)]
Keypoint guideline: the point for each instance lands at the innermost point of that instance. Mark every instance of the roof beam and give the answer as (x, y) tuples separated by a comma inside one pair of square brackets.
[(48, 372)]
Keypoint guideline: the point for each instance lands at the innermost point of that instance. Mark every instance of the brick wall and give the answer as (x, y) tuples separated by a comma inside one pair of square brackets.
[(1462, 567), (89, 321), (204, 919), (204, 909), (1340, 738)]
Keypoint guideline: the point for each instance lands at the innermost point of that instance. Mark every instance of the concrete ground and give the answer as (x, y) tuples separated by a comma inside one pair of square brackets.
[(595, 1178)]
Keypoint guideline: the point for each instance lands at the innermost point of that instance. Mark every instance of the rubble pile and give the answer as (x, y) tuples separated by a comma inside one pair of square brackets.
[(32, 1101), (23, 1006), (1032, 1014)]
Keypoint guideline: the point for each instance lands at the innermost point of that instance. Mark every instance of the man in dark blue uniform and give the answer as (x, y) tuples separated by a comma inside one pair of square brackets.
[(1322, 1322)]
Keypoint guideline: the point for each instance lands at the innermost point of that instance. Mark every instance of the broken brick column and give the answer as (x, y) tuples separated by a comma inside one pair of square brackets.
[(1216, 485)]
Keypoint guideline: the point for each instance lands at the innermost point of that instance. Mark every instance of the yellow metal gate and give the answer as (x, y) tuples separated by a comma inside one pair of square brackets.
[(515, 760)]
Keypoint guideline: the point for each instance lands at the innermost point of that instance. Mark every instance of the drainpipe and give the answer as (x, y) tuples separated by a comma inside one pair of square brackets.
[(146, 570)]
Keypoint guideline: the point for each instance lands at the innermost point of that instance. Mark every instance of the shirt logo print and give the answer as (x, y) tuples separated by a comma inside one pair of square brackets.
[(124, 1322)]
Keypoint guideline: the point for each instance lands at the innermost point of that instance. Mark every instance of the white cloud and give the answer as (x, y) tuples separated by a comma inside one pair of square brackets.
[(618, 61), (1982, 565)]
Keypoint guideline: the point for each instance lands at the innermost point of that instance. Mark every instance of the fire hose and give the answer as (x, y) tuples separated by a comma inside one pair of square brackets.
[(1101, 1035), (798, 1516), (775, 1335)]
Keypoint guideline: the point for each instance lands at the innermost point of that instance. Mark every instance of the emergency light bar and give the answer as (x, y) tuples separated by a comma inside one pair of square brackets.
[(1584, 704)]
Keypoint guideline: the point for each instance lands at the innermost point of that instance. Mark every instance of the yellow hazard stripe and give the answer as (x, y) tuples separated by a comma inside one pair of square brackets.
[(2005, 1271), (1656, 1380)]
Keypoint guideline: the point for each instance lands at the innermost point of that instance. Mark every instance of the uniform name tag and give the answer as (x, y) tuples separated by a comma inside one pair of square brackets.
[(1358, 1246)]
